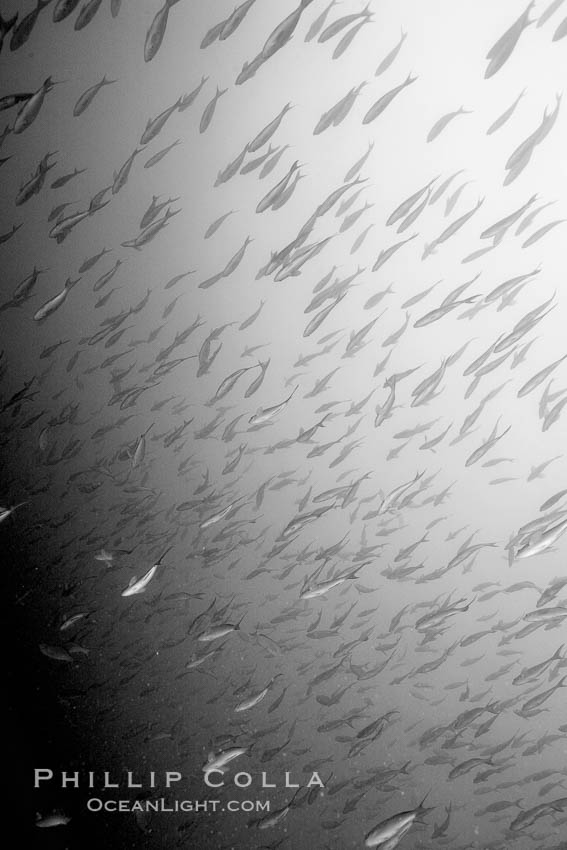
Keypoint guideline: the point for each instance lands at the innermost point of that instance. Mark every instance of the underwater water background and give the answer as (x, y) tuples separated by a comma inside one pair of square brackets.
[(124, 440)]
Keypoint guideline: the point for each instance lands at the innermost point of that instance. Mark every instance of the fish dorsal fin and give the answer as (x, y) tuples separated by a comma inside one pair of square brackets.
[(132, 581)]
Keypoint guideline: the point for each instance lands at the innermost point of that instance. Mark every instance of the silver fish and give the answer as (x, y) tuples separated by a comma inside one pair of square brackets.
[(156, 32), (383, 102), (391, 56)]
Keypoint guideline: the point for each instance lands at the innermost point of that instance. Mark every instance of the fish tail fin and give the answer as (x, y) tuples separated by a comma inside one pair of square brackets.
[(421, 809), (69, 283), (162, 556), (97, 202)]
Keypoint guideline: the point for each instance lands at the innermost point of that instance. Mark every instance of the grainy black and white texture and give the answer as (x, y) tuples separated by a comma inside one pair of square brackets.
[(283, 308)]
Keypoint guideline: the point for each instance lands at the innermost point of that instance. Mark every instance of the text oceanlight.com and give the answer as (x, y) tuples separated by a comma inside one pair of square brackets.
[(95, 804)]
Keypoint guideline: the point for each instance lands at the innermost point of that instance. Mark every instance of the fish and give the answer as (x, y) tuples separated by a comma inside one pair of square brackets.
[(503, 224), (259, 380), (36, 181), (341, 23), (319, 22), (116, 434), (443, 310), (87, 13), (188, 99), (32, 107), (258, 161), (389, 832), (534, 382), (6, 25), (7, 512), (506, 115), (156, 31), (387, 253), (312, 589), (502, 49), (540, 541), (277, 39), (64, 8), (561, 31), (529, 219), (264, 415), (542, 231), (442, 188), (521, 156), (359, 241), (358, 165), (139, 585), (66, 178), (121, 176), (219, 761), (478, 453), (391, 56), (8, 101), (454, 227), (212, 228), (551, 10), (229, 382), (155, 125), (539, 699), (255, 699), (348, 38), (218, 632), (414, 214), (444, 122), (55, 819), (4, 237), (56, 302), (383, 102), (157, 157), (277, 191), (530, 674), (337, 113), (235, 19), (23, 28), (209, 110), (405, 207)]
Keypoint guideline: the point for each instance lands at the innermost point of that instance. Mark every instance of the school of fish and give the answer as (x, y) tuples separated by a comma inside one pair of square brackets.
[(284, 408)]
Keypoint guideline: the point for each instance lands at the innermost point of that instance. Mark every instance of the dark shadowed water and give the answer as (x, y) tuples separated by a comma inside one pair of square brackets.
[(284, 402)]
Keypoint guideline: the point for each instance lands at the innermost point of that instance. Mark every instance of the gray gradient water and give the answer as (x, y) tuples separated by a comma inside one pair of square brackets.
[(413, 675)]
